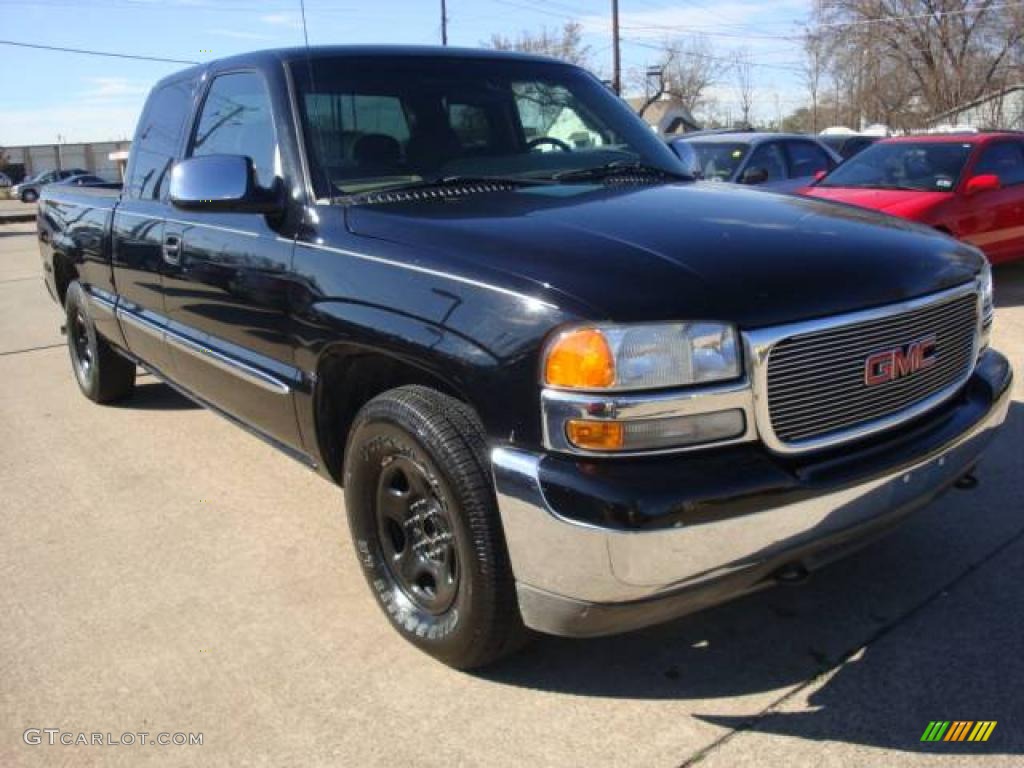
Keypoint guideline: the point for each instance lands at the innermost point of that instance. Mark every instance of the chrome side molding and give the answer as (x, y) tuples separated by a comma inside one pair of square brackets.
[(225, 363)]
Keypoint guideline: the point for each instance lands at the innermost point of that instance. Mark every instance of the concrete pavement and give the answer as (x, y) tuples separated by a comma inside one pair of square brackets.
[(163, 571), (12, 211)]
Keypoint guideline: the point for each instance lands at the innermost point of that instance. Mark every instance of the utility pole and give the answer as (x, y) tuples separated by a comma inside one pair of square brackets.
[(444, 22), (616, 58)]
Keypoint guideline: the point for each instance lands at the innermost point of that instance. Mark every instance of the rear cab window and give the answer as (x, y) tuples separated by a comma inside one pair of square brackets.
[(157, 140)]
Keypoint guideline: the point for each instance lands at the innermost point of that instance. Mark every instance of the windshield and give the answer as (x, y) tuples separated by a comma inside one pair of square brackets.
[(718, 161), (374, 123), (924, 166)]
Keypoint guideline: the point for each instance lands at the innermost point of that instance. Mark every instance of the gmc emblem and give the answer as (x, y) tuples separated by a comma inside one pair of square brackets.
[(893, 364)]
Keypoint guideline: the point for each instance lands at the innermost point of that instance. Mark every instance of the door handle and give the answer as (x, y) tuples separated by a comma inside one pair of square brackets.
[(172, 249)]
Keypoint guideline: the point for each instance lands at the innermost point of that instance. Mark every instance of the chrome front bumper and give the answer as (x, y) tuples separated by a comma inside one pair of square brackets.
[(571, 576)]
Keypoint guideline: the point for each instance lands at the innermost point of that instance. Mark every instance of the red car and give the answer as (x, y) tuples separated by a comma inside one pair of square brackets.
[(968, 185)]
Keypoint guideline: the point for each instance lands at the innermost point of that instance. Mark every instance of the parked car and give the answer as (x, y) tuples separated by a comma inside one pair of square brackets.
[(5, 181), (28, 190), (847, 145), (87, 180), (777, 162), (567, 390), (82, 180), (969, 186)]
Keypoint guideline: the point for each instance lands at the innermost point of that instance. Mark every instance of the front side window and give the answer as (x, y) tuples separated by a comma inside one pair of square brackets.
[(719, 161), (1004, 160), (927, 166), (378, 122), (237, 120), (768, 157), (806, 159), (157, 140)]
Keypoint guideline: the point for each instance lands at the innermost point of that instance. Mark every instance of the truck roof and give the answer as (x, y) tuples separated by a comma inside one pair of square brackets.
[(272, 56)]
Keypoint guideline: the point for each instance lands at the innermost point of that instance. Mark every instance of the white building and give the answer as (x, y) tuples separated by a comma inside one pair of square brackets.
[(1000, 110), (94, 157)]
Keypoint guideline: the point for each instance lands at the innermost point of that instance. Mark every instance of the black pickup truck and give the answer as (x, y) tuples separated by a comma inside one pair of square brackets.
[(565, 387)]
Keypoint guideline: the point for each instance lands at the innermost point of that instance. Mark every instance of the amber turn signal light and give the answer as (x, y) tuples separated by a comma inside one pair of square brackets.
[(580, 359), (595, 435)]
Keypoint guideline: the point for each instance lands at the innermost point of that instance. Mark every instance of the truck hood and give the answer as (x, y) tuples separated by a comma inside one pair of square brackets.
[(680, 251), (895, 202)]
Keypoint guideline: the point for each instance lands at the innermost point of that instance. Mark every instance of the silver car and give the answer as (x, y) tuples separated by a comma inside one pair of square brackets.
[(28, 190)]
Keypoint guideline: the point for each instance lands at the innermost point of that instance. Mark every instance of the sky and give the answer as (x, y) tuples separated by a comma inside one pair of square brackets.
[(46, 94)]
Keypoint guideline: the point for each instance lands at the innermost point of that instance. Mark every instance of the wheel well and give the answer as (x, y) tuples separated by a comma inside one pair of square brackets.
[(63, 273), (348, 380)]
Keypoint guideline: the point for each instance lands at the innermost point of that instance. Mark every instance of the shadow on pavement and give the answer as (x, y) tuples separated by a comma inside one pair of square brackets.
[(154, 395), (958, 659), (961, 662)]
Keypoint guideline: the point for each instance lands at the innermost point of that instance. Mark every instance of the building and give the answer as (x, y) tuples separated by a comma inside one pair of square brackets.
[(99, 157), (667, 115), (1003, 110)]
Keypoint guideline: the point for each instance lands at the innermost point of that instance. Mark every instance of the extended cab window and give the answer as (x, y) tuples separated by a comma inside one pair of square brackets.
[(157, 140), (237, 120)]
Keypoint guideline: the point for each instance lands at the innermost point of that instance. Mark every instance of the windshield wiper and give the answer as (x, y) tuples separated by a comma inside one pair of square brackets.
[(620, 168)]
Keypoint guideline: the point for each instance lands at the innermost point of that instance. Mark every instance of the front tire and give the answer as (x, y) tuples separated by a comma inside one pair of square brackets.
[(102, 374), (425, 523), (29, 196)]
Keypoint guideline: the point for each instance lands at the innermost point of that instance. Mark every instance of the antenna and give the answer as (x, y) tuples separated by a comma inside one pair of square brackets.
[(312, 129), (305, 32)]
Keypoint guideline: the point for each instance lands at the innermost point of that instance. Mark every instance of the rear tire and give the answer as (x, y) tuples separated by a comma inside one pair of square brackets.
[(424, 519), (102, 374)]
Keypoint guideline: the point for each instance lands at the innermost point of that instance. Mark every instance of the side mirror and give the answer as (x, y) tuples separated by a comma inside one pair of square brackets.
[(755, 176), (224, 183), (986, 182)]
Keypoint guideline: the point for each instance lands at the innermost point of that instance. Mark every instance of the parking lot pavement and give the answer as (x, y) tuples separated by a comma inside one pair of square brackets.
[(163, 571), (15, 211)]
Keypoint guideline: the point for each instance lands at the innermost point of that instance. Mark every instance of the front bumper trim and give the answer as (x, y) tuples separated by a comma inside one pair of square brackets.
[(580, 579)]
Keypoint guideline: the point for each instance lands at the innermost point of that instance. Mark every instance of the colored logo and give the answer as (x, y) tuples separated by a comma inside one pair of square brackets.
[(891, 364), (958, 730)]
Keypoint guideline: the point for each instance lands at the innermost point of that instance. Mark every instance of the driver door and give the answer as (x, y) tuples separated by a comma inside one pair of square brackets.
[(994, 220)]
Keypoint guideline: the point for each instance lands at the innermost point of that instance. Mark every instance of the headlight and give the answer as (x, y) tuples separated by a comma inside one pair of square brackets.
[(988, 305), (636, 357)]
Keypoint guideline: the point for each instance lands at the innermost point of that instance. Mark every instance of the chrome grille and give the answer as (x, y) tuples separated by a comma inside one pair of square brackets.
[(815, 382)]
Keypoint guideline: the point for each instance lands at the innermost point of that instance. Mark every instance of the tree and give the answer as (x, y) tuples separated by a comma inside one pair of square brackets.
[(901, 61), (687, 69), (565, 43), (815, 64), (744, 71)]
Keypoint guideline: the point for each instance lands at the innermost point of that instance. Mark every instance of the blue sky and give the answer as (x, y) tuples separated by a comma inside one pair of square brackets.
[(86, 98)]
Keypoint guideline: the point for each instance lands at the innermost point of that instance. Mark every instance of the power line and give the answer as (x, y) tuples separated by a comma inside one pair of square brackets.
[(709, 57), (87, 52)]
